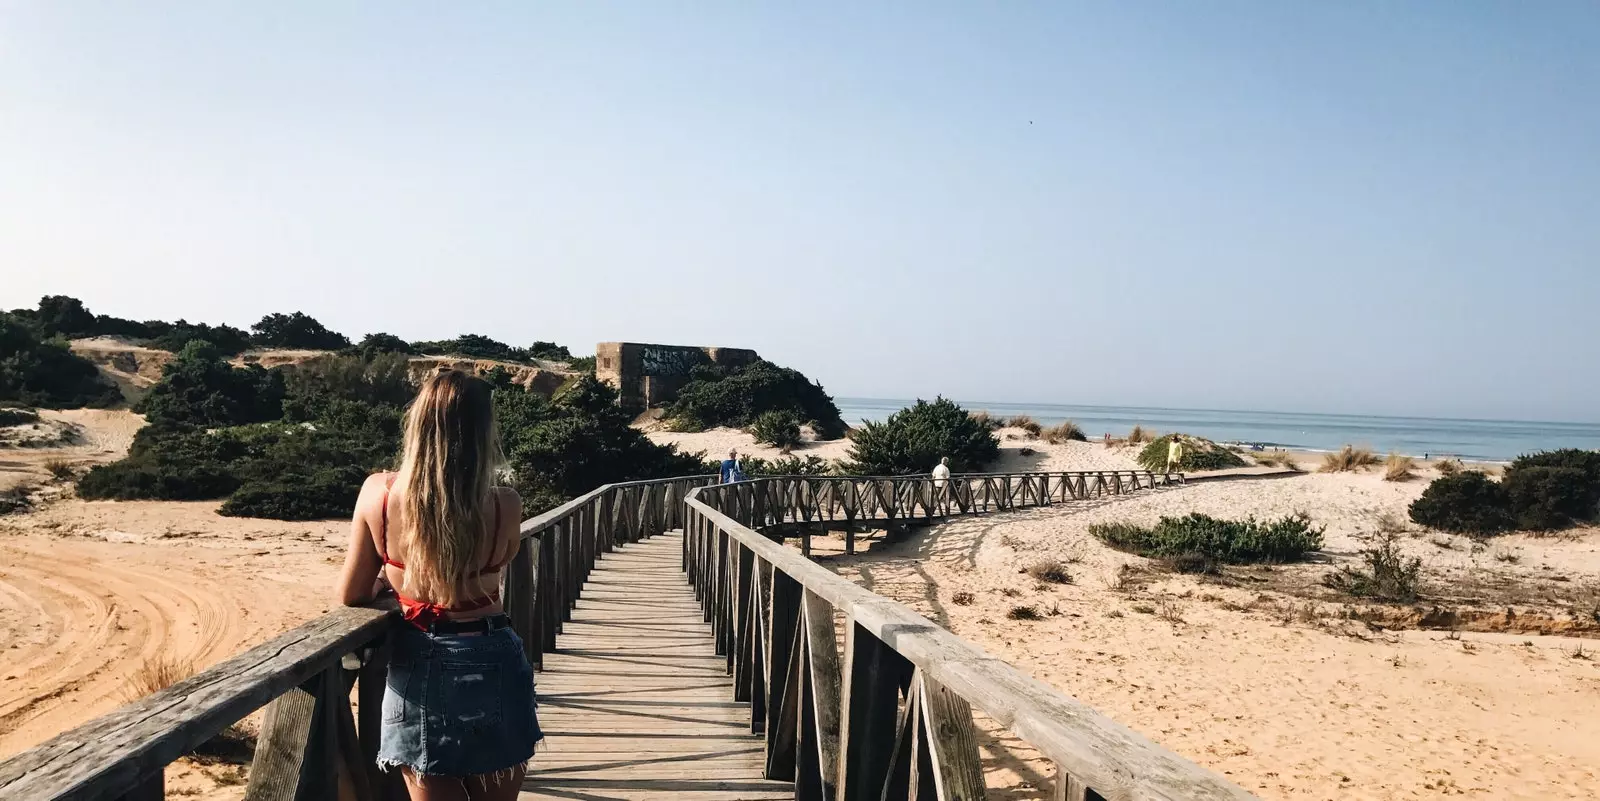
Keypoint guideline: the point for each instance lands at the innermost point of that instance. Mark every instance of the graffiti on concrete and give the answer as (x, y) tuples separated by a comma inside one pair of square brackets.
[(669, 361)]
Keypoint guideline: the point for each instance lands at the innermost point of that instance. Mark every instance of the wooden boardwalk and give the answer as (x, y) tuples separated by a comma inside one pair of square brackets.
[(634, 701)]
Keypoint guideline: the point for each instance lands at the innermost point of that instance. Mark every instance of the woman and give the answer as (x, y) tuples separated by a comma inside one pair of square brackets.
[(458, 712)]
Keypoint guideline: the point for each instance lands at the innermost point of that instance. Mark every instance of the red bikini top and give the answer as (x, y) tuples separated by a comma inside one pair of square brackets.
[(421, 613)]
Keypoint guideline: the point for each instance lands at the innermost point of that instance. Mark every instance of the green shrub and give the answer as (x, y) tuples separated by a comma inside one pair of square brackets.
[(374, 344), (736, 396), (474, 346), (318, 495), (17, 417), (563, 447), (46, 373), (777, 428), (582, 364), (913, 440), (376, 379), (786, 466), (1548, 498), (549, 351), (1387, 576), (198, 388), (227, 340), (1198, 454), (1227, 541), (1467, 503), (297, 331)]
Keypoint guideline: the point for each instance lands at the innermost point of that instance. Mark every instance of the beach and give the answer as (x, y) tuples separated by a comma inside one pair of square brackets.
[(1264, 676)]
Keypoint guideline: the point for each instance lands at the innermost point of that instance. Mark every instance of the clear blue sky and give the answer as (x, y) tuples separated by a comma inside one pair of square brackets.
[(1365, 207)]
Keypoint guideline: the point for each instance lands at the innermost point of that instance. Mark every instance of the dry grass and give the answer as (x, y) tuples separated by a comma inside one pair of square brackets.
[(1024, 612), (1348, 459), (1066, 432), (1170, 611), (962, 598), (985, 419), (1050, 571), (1143, 609), (1139, 435), (1448, 467), (1282, 459), (1399, 468), (59, 467), (158, 673), (1025, 423)]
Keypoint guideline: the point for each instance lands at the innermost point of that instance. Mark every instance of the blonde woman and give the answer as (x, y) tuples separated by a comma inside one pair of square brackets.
[(458, 713)]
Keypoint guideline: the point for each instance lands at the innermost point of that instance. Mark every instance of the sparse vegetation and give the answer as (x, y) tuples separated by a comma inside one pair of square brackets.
[(1448, 467), (1387, 575), (157, 673), (1399, 468), (986, 420), (12, 416), (1027, 424), (1282, 459), (1140, 435), (779, 428), (1024, 612), (1050, 571), (912, 441), (786, 466), (1198, 454), (1143, 609), (1170, 611), (1067, 431), (1196, 539), (962, 598), (59, 467), (1348, 459)]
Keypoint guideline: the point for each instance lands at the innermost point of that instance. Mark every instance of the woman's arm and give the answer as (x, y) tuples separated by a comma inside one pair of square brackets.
[(358, 582)]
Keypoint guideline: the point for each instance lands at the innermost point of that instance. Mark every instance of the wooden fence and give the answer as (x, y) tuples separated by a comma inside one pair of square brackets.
[(311, 745), (887, 713)]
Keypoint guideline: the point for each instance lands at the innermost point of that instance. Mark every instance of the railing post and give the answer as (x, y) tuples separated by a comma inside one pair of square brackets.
[(873, 674)]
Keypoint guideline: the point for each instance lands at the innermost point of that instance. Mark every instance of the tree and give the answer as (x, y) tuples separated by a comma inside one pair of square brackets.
[(47, 373), (200, 389), (60, 315), (913, 440), (549, 351), (384, 343), (722, 396), (298, 331)]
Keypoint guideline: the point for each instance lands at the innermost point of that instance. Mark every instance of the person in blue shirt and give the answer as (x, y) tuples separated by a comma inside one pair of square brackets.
[(730, 469)]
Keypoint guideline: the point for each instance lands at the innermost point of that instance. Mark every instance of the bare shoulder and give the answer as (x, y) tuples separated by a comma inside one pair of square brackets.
[(372, 490), (510, 502)]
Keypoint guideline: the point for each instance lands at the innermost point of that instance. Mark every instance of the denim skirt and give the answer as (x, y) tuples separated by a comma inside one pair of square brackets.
[(458, 705)]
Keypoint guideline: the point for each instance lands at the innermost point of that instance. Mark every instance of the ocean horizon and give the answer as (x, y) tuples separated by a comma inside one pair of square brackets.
[(1473, 440)]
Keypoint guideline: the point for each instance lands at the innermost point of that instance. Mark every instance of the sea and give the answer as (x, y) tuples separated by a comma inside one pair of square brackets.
[(1472, 440)]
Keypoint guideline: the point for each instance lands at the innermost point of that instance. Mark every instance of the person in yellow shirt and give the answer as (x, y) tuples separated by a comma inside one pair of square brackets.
[(1174, 453)]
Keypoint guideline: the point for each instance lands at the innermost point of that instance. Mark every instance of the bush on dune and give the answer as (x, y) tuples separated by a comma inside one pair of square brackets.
[(174, 337), (46, 373), (1348, 459), (1466, 503), (474, 346), (373, 344), (736, 396), (1197, 539), (297, 331), (200, 389), (12, 416), (1068, 431), (1399, 468), (1198, 454), (1028, 425), (913, 440), (777, 428), (787, 466)]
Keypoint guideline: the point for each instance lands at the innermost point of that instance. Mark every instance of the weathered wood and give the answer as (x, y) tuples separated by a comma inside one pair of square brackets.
[(823, 688), (291, 761), (370, 684), (784, 654), (104, 757), (151, 789), (952, 742), (868, 701)]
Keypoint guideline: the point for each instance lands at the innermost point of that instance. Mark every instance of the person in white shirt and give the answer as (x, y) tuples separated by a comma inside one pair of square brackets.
[(941, 473)]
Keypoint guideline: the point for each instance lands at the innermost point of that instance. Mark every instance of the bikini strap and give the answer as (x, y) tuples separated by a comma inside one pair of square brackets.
[(383, 533)]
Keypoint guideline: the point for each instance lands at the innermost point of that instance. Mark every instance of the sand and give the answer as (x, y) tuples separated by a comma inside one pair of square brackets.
[(1274, 691)]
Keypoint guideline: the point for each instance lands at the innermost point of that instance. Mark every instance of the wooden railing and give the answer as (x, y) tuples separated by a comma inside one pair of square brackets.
[(808, 500), (887, 714), (311, 745)]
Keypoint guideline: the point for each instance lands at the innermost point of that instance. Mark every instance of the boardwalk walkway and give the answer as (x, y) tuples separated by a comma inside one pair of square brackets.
[(634, 701)]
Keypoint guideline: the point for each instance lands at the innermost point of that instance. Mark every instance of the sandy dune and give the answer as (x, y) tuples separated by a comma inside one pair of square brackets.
[(1277, 693)]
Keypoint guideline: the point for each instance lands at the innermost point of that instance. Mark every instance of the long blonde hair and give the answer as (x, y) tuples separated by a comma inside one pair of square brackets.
[(448, 470)]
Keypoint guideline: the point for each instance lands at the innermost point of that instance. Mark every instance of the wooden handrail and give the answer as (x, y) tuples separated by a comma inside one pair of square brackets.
[(900, 705)]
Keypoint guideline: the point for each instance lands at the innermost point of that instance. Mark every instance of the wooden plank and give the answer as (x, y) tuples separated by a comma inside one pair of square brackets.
[(285, 746), (869, 704), (952, 743), (822, 658), (152, 789), (783, 690), (104, 757)]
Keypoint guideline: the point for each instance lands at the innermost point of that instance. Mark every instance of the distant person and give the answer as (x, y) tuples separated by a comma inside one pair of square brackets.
[(1174, 453), (439, 532), (941, 473), (730, 471)]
